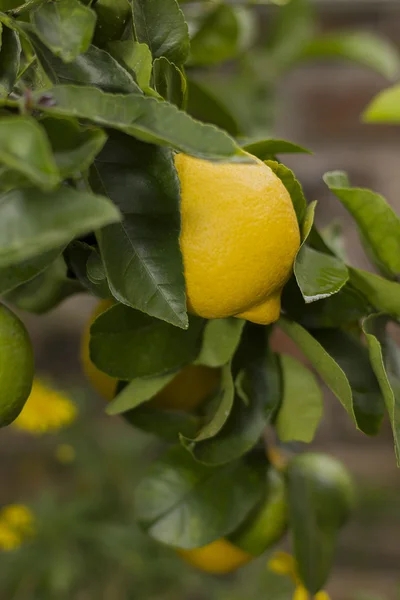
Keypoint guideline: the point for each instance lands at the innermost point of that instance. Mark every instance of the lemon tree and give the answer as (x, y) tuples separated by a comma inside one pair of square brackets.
[(128, 173)]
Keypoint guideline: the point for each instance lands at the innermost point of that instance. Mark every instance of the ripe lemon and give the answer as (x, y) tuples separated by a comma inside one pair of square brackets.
[(219, 557), (185, 392), (16, 366), (239, 238)]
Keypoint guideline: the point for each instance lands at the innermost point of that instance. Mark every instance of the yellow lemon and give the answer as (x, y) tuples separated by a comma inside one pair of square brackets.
[(239, 238), (219, 557), (185, 392)]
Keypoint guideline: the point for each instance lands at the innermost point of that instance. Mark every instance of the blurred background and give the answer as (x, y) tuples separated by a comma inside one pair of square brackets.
[(80, 481)]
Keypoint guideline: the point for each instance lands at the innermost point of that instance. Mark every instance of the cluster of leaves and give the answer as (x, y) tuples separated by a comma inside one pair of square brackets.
[(94, 102)]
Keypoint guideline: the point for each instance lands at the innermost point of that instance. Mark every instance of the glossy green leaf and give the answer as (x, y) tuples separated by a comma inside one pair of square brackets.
[(112, 19), (136, 57), (127, 343), (385, 108), (220, 341), (74, 147), (384, 295), (161, 25), (301, 409), (185, 504), (78, 254), (13, 276), (202, 104), (25, 148), (363, 47), (218, 37), (33, 221), (167, 425), (378, 223), (292, 185), (374, 329), (138, 391), (46, 290), (352, 357), (141, 254), (10, 53), (66, 27), (169, 81), (267, 149), (144, 118)]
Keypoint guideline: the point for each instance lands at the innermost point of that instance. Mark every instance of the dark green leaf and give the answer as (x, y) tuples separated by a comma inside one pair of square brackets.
[(78, 255), (127, 344), (136, 57), (9, 60), (141, 254), (169, 81), (379, 224), (385, 108), (301, 409), (138, 391), (165, 424), (74, 147), (112, 18), (161, 25), (218, 37), (384, 295), (267, 149), (46, 290), (352, 356), (203, 105), (25, 148), (144, 118), (185, 504), (32, 221), (293, 187), (13, 276), (66, 27), (220, 341), (374, 328)]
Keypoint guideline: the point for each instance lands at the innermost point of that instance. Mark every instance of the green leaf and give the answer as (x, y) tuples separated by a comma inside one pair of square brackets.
[(352, 357), (169, 81), (161, 25), (363, 47), (385, 108), (185, 504), (13, 276), (113, 17), (218, 37), (74, 147), (66, 27), (374, 329), (127, 344), (292, 185), (165, 424), (78, 255), (46, 290), (291, 32), (95, 68), (141, 254), (378, 223), (10, 52), (301, 410), (202, 104), (144, 118), (33, 221), (25, 148), (136, 57), (384, 295), (138, 391), (267, 149), (220, 341)]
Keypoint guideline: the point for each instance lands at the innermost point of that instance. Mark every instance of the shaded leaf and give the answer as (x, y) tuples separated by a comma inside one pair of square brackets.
[(291, 31), (13, 276), (165, 424), (267, 149), (301, 409), (141, 254), (384, 295), (66, 27), (33, 221), (293, 187), (10, 52), (385, 108), (169, 81), (78, 255), (127, 344), (145, 118), (203, 105), (185, 504), (218, 37), (220, 340), (112, 19), (161, 25)]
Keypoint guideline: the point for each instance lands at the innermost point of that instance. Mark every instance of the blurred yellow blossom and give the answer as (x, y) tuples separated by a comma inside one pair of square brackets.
[(16, 525), (283, 563), (65, 453), (46, 410)]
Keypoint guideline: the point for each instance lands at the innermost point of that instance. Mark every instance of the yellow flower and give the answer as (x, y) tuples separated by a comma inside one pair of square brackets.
[(16, 524), (46, 410), (283, 563)]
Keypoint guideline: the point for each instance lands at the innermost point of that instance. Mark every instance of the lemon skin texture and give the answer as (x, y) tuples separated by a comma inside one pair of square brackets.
[(16, 366), (186, 392), (239, 238), (218, 558)]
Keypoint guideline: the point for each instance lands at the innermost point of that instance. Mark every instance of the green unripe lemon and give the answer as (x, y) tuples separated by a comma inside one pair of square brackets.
[(16, 366)]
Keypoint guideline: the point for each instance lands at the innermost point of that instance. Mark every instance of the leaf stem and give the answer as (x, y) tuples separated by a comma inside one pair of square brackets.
[(15, 12)]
